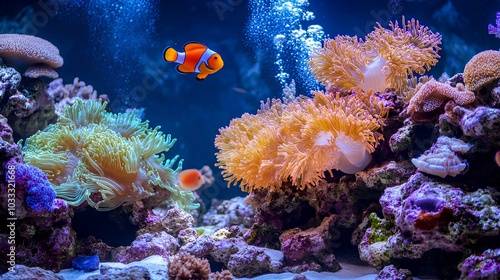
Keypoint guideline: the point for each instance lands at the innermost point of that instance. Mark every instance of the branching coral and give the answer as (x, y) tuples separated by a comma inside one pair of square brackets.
[(300, 140), (383, 60), (185, 266), (63, 95), (105, 159)]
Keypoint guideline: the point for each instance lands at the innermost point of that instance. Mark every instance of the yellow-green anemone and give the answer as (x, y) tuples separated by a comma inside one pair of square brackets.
[(105, 159)]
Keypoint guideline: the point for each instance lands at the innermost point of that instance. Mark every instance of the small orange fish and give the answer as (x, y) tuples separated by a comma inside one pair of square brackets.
[(497, 158), (196, 58), (190, 179)]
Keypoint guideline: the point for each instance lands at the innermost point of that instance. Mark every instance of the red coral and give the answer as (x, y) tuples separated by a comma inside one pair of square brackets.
[(430, 220)]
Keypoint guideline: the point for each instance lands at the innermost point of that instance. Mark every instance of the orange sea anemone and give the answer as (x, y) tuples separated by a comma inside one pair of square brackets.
[(383, 60), (299, 141)]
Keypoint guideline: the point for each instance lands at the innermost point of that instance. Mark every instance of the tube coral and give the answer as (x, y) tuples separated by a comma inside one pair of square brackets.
[(300, 140), (104, 159), (383, 60)]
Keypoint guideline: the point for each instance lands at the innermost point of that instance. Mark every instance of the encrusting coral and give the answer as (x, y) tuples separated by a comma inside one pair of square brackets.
[(384, 60), (105, 159), (433, 95), (300, 140)]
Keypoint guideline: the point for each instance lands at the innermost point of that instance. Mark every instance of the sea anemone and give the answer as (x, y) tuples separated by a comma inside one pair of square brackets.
[(104, 159), (384, 60), (300, 140)]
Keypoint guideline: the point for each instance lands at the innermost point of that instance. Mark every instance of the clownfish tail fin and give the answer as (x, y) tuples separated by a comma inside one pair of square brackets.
[(170, 54)]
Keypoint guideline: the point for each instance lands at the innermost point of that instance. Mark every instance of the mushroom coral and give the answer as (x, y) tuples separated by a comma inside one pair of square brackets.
[(105, 159), (384, 60), (300, 140)]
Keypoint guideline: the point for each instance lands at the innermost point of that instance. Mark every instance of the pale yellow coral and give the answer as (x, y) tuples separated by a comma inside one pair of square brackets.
[(300, 140), (433, 94), (482, 69), (104, 159), (384, 60)]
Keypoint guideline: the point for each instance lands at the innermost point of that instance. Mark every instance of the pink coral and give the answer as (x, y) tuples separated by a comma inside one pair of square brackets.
[(21, 51)]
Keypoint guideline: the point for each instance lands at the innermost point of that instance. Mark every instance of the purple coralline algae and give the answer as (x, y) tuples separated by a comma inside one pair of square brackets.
[(390, 272), (148, 244), (158, 219), (39, 194), (481, 267), (26, 105), (495, 29), (226, 213), (133, 272), (388, 174), (482, 122), (9, 81), (46, 239), (24, 272), (428, 215), (228, 247), (300, 245)]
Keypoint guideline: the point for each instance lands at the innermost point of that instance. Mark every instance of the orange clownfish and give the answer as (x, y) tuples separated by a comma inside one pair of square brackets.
[(190, 179), (196, 58)]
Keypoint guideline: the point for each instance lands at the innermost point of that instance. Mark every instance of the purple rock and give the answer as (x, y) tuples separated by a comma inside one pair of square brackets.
[(416, 221), (297, 245), (485, 266), (390, 272), (148, 244), (482, 123)]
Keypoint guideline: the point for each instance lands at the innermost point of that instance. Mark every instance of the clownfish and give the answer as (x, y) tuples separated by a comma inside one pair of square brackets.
[(190, 179), (196, 58)]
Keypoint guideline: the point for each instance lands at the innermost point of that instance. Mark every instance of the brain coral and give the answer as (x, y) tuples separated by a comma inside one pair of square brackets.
[(105, 159), (384, 60), (299, 141), (482, 69)]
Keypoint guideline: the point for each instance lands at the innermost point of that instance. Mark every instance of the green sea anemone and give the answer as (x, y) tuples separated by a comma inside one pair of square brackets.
[(105, 159)]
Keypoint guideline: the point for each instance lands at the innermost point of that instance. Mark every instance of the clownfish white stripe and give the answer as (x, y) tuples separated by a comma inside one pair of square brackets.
[(181, 57), (204, 58)]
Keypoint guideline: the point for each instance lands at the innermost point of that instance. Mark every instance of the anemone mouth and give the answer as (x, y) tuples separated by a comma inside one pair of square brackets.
[(374, 76), (353, 156)]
